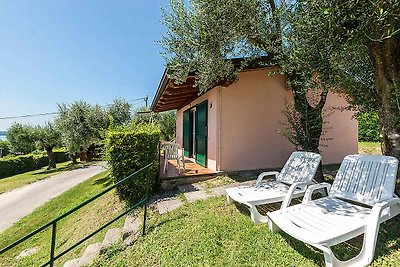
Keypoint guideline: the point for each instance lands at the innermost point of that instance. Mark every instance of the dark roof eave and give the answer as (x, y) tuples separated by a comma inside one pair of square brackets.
[(160, 89), (236, 61)]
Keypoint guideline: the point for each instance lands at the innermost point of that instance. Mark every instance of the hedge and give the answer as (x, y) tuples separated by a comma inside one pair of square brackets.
[(5, 147), (128, 150), (368, 127), (12, 165)]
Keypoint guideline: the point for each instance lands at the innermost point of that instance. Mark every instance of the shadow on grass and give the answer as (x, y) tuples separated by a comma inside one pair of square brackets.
[(389, 237), (105, 182), (69, 167), (305, 250), (154, 227)]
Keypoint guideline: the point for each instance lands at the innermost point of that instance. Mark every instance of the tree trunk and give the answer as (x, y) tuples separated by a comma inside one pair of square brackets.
[(52, 160), (90, 152), (312, 125), (311, 120), (74, 156), (385, 59)]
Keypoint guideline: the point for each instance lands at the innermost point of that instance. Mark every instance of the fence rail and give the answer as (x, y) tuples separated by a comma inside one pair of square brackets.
[(53, 223)]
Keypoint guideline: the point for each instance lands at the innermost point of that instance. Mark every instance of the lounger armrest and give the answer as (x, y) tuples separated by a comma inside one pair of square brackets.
[(312, 188), (374, 220), (378, 208), (289, 195), (264, 174)]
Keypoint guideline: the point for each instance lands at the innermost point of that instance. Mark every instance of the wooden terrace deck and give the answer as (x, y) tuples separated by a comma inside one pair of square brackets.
[(192, 169)]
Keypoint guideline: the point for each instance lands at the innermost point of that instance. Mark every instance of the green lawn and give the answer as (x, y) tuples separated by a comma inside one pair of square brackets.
[(70, 229), (373, 148), (213, 233), (12, 182)]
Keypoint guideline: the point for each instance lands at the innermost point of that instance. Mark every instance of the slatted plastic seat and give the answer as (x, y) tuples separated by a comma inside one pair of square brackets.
[(173, 151), (292, 181), (359, 200)]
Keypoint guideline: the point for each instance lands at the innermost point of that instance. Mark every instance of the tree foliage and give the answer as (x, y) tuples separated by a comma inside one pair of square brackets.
[(4, 147), (22, 138), (365, 36), (119, 112), (77, 130), (164, 121), (167, 124), (83, 125), (203, 35), (369, 127), (47, 138)]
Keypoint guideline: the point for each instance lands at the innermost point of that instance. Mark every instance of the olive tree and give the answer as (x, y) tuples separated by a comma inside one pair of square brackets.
[(48, 137), (167, 124), (119, 112), (83, 125), (80, 125), (22, 138), (370, 31), (203, 34)]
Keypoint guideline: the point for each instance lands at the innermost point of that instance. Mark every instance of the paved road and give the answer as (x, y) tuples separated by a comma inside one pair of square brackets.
[(22, 201)]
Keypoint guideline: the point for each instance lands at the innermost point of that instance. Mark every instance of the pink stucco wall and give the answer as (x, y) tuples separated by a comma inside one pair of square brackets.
[(341, 131), (244, 117), (251, 110)]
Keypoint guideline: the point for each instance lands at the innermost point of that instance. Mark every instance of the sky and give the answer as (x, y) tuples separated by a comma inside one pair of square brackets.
[(66, 50)]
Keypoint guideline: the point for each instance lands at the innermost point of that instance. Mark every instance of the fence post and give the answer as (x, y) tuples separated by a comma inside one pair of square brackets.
[(53, 243), (146, 200)]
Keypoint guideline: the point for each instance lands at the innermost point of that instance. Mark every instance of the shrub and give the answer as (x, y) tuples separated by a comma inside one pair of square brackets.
[(5, 148), (128, 150), (12, 165), (368, 127), (61, 155)]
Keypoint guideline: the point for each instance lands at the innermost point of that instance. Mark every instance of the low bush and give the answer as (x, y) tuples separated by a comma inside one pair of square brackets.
[(12, 165), (368, 127), (128, 150), (5, 148)]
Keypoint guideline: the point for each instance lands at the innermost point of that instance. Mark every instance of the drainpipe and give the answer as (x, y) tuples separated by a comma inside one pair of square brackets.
[(219, 116)]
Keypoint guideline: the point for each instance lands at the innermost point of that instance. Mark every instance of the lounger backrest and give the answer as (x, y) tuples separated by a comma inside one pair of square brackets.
[(365, 179), (300, 167)]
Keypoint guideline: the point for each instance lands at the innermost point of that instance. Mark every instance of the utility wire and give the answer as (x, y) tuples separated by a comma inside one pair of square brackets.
[(142, 99), (28, 115)]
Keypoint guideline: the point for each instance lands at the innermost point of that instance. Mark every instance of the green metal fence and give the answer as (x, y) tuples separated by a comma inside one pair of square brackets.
[(53, 224)]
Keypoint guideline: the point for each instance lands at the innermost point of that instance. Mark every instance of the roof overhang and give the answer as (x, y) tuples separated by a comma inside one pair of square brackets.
[(171, 96)]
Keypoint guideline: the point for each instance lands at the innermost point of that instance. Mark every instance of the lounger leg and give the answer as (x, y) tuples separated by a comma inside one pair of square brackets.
[(272, 226), (364, 258), (329, 258), (256, 217), (230, 200)]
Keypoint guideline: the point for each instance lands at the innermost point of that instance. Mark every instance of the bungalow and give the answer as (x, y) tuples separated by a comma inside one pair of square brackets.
[(234, 127)]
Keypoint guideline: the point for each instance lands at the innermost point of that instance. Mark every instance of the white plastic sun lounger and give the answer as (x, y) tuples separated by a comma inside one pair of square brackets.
[(292, 181), (322, 223)]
